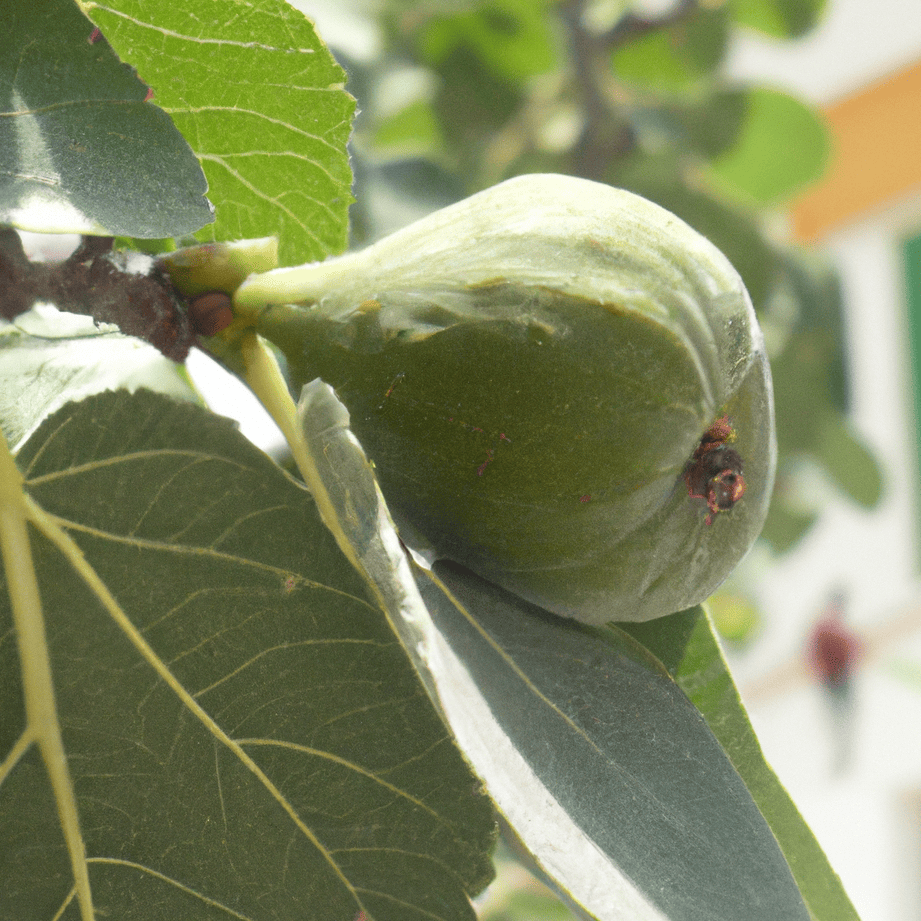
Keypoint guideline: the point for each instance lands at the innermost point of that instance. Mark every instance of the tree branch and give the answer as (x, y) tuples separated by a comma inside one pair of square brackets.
[(128, 289)]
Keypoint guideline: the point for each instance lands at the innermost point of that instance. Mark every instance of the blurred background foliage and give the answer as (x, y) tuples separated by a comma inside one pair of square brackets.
[(460, 95)]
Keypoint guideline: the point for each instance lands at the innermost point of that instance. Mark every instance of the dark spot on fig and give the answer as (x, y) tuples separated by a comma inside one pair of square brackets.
[(714, 472), (210, 313)]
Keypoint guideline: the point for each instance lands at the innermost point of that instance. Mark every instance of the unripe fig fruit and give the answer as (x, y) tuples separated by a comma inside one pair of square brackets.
[(562, 386)]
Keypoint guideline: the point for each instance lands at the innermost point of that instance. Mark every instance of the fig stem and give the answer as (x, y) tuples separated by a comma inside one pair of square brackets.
[(265, 378)]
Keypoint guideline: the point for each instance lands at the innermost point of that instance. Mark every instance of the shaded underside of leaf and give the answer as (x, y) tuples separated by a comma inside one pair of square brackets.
[(251, 742), (625, 756), (686, 645), (80, 149), (261, 101)]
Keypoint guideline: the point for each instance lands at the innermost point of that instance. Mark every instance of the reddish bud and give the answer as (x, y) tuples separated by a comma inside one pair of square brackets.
[(210, 313)]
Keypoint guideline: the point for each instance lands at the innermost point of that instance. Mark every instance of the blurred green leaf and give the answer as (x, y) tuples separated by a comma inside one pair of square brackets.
[(261, 101), (782, 146), (786, 524), (815, 287), (676, 57), (848, 461), (82, 151), (809, 396), (778, 18), (512, 38), (244, 733), (685, 644), (472, 105), (712, 124), (801, 396), (734, 616), (412, 130)]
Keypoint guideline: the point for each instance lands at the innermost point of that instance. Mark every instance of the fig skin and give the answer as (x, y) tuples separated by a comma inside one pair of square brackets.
[(533, 372)]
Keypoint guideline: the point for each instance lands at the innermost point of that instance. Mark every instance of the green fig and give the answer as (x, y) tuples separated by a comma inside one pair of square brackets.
[(561, 385)]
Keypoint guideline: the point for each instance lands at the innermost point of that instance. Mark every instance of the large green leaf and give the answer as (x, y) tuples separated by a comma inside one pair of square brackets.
[(595, 757), (261, 100), (80, 149), (241, 734), (686, 645)]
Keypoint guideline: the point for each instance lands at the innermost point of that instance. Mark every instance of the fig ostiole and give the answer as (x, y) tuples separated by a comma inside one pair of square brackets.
[(562, 387)]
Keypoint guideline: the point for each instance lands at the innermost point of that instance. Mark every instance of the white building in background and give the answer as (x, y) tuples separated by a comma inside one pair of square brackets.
[(863, 66)]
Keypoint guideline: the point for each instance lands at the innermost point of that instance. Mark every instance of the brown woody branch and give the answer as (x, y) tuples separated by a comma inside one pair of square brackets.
[(128, 289)]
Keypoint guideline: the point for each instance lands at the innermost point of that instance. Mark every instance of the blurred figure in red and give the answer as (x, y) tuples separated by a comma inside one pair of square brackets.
[(834, 652)]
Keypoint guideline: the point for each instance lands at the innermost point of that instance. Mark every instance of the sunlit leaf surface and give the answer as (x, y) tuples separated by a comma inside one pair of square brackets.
[(50, 358), (80, 149), (261, 101), (245, 736)]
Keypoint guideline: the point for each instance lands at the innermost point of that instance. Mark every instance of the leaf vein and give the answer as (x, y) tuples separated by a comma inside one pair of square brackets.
[(146, 544), (402, 902), (346, 763), (196, 40), (72, 553), (264, 652), (15, 754), (321, 206), (130, 864), (101, 464)]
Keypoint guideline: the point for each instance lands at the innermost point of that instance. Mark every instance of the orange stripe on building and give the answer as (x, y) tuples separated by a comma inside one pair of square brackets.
[(876, 155)]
